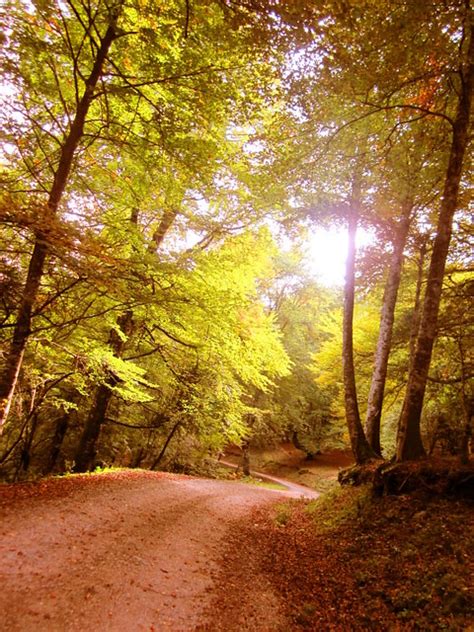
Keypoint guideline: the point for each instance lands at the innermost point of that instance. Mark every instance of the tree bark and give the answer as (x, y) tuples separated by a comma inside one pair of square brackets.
[(41, 248), (409, 443), (379, 375), (163, 227), (360, 446), (415, 325), (246, 457), (86, 451), (60, 431)]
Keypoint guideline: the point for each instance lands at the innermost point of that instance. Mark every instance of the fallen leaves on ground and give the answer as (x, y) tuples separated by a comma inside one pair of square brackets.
[(354, 562), (63, 486)]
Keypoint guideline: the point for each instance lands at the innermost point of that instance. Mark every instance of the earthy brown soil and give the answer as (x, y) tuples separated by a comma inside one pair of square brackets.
[(123, 552)]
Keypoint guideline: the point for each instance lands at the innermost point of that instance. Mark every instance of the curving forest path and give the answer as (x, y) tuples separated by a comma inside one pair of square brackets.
[(125, 551), (296, 490)]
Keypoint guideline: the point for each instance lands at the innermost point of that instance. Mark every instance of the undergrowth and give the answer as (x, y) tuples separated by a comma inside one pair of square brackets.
[(340, 506), (397, 563)]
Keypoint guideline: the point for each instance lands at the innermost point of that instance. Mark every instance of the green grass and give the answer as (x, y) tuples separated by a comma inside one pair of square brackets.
[(250, 480), (99, 471), (339, 506)]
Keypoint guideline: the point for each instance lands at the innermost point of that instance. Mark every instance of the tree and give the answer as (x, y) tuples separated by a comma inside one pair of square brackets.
[(409, 444), (360, 446), (449, 397), (68, 149), (91, 83), (379, 376), (404, 191), (296, 408), (199, 120), (344, 65)]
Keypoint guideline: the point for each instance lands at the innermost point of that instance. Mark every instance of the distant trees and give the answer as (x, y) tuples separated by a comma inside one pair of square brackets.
[(299, 409)]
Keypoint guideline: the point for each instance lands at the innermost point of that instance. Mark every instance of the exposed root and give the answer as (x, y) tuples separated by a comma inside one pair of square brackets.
[(432, 476)]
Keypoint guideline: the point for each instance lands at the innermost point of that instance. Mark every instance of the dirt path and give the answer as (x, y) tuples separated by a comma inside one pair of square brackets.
[(121, 552), (298, 491)]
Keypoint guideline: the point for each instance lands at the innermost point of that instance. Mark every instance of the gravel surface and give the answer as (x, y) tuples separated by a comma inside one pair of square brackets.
[(123, 552)]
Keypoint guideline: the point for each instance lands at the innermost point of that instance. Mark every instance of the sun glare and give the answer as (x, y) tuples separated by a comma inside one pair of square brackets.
[(326, 253)]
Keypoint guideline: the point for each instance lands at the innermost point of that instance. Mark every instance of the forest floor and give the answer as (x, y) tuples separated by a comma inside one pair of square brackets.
[(132, 550), (350, 562), (285, 461)]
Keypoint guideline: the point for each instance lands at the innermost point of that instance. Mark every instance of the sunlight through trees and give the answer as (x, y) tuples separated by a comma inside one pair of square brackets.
[(164, 171)]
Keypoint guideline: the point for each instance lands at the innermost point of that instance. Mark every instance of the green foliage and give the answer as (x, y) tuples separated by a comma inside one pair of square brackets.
[(206, 121)]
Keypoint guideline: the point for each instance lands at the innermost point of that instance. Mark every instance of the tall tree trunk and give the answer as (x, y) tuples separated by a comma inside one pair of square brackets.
[(41, 248), (86, 451), (466, 402), (379, 375), (409, 443), (360, 446), (62, 425), (415, 324)]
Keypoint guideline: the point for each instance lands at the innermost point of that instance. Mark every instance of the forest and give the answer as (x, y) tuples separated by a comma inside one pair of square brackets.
[(162, 165)]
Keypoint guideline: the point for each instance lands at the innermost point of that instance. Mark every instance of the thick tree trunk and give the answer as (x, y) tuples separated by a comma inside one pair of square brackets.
[(360, 446), (86, 451), (41, 248), (60, 431), (409, 443), (379, 375)]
